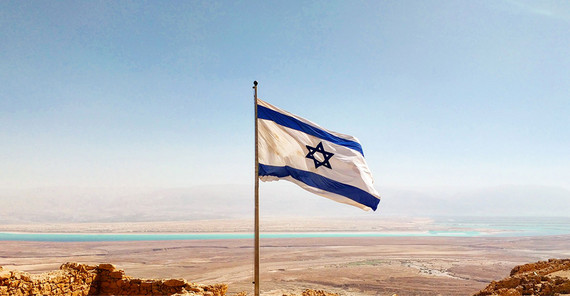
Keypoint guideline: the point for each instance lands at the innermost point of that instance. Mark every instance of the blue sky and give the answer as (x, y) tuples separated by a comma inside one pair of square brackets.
[(134, 94)]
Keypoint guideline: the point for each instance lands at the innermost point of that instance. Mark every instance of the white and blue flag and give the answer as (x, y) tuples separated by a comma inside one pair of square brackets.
[(321, 161)]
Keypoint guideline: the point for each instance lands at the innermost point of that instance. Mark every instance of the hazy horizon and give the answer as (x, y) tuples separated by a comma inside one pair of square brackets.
[(213, 202)]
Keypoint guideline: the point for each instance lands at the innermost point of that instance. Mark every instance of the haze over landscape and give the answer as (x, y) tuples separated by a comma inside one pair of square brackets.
[(204, 202)]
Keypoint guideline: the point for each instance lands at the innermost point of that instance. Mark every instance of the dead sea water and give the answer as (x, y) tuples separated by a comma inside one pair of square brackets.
[(442, 227)]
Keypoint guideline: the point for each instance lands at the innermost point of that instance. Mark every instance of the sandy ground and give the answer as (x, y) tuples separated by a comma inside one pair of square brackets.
[(349, 266)]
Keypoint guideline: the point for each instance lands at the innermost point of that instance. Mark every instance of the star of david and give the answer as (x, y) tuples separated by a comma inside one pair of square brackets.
[(326, 156)]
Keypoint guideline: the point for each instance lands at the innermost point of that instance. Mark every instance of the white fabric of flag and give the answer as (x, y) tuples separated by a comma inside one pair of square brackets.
[(323, 162)]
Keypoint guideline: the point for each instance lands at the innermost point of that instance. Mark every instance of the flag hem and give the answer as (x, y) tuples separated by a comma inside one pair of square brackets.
[(317, 181)]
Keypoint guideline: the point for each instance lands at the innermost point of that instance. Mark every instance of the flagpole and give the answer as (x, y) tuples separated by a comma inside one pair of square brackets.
[(256, 236)]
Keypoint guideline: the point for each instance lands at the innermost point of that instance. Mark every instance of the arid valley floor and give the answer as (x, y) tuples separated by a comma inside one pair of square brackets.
[(349, 266)]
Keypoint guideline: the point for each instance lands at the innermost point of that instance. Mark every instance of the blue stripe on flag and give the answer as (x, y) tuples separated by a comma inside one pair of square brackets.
[(317, 181), (293, 123)]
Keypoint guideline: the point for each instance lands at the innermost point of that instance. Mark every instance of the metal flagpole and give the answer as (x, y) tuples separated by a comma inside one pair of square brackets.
[(256, 239)]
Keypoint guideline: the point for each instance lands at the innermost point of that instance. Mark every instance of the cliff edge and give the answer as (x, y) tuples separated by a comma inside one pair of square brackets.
[(550, 277), (105, 279), (76, 279)]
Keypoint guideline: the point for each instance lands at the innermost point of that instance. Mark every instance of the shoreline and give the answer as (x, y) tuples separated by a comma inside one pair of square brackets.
[(506, 226), (191, 236), (170, 236)]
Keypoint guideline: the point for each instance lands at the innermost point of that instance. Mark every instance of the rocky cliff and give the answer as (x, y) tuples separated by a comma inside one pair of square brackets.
[(550, 277), (105, 279)]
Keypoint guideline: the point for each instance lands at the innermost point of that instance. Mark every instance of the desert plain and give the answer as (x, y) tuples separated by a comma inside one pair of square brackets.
[(421, 265)]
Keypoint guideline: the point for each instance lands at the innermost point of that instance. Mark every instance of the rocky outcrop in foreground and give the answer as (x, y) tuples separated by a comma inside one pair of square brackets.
[(105, 279), (310, 292), (550, 277)]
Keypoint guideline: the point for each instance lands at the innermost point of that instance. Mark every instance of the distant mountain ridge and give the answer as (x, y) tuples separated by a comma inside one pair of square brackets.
[(52, 205)]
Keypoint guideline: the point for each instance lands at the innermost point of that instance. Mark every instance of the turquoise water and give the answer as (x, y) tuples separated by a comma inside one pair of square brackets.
[(441, 227), (84, 237), (509, 226)]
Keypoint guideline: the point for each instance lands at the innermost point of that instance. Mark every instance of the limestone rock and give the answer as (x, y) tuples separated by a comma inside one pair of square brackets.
[(175, 282), (540, 278), (106, 266), (309, 292), (116, 274), (5, 274), (105, 279)]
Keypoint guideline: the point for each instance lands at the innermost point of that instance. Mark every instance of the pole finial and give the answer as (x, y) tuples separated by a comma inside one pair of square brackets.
[(254, 83)]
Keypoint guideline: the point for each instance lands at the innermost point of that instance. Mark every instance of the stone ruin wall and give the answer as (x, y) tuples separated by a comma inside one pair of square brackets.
[(105, 279)]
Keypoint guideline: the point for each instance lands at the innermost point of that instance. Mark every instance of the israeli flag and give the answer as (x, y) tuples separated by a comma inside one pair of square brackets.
[(321, 161)]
